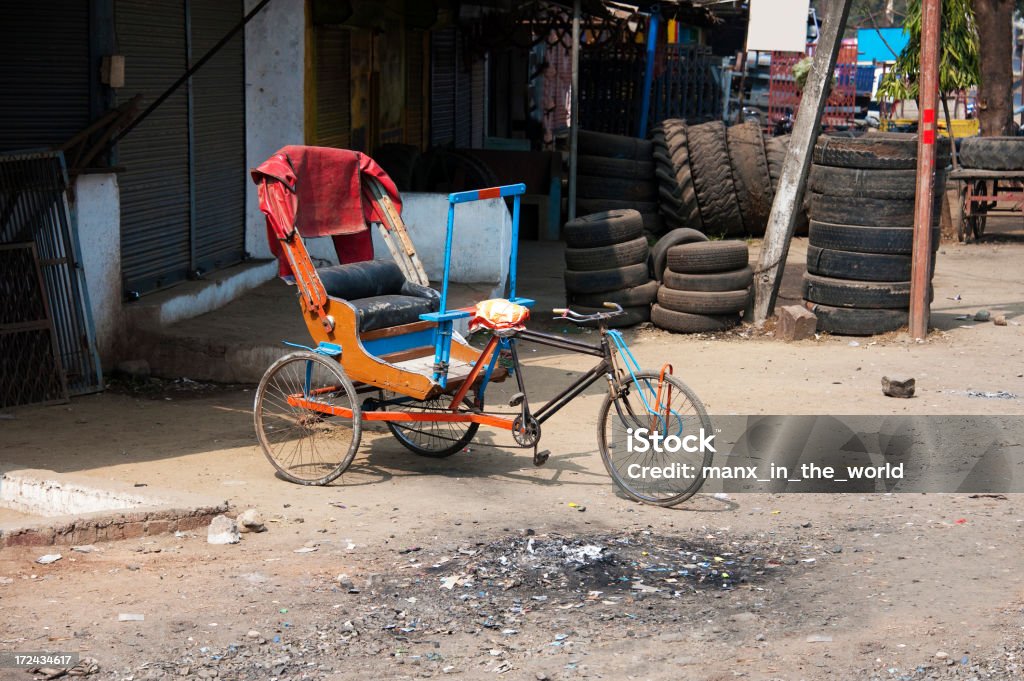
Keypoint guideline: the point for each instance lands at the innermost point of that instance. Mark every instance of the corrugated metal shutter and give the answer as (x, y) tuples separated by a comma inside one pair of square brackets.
[(442, 87), (45, 57), (155, 248), (479, 100), (333, 83), (463, 97), (218, 136), (414, 103)]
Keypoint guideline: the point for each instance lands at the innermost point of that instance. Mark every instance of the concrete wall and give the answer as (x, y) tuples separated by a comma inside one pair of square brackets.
[(275, 57), (483, 233), (97, 211)]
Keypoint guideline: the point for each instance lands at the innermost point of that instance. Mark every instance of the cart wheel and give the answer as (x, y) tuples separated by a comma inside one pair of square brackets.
[(681, 413), (981, 213), (435, 439), (307, 444)]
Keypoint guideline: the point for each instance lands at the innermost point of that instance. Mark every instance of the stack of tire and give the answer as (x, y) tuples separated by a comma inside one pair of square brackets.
[(606, 261), (705, 288), (617, 172), (712, 178), (861, 200)]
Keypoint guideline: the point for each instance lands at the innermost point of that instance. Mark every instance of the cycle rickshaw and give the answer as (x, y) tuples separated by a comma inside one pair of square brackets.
[(386, 350)]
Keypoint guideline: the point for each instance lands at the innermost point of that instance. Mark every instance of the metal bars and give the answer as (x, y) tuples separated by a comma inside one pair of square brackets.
[(34, 208)]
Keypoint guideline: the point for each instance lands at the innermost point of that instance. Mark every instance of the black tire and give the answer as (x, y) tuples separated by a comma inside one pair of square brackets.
[(676, 237), (399, 162), (860, 266), (891, 150), (603, 228), (861, 239), (889, 295), (703, 302), (607, 257), (616, 188), (709, 256), (631, 410), (751, 176), (867, 212), (718, 281), (432, 439), (712, 178), (684, 322), (689, 208), (599, 281), (585, 205), (305, 445), (644, 294), (852, 321), (630, 316), (613, 146), (992, 153), (870, 183), (622, 168), (775, 149)]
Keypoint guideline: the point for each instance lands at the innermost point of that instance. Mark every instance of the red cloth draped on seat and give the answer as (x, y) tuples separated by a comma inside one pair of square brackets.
[(321, 191)]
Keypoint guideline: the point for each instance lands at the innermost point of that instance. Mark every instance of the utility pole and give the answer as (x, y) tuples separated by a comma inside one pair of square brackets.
[(782, 221), (574, 109), (928, 92)]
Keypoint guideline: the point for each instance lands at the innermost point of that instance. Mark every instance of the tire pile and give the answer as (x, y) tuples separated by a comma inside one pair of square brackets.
[(606, 259), (705, 287), (616, 172), (715, 179), (861, 204)]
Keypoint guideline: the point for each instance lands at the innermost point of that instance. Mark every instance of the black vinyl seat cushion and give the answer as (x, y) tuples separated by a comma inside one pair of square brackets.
[(379, 292)]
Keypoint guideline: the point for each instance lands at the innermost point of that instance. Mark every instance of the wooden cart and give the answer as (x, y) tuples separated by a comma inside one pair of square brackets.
[(983, 192)]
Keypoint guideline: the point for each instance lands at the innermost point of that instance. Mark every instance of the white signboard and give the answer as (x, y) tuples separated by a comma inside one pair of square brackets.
[(778, 25)]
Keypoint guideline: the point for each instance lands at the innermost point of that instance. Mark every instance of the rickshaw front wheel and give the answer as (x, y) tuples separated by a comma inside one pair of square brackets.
[(298, 424)]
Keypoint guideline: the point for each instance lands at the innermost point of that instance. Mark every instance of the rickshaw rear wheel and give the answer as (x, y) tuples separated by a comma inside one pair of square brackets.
[(434, 439), (307, 444), (625, 413)]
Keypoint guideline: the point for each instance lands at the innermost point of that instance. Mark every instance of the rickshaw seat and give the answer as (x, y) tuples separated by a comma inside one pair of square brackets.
[(379, 292)]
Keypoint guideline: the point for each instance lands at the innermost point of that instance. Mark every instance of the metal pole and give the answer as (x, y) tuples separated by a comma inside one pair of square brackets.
[(574, 108), (652, 44), (797, 165), (928, 94)]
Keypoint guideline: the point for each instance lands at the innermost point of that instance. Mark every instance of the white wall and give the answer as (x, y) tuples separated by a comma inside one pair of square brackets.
[(480, 247), (275, 55), (97, 210)]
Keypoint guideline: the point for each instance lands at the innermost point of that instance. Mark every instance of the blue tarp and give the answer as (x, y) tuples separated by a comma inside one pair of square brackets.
[(871, 47)]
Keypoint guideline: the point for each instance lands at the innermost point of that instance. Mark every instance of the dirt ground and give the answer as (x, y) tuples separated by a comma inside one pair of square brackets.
[(482, 566)]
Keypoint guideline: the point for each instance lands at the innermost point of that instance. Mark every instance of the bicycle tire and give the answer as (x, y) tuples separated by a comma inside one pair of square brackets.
[(287, 433), (426, 438), (611, 437)]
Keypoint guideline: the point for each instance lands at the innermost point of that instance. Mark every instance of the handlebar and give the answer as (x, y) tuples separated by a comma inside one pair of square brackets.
[(576, 317)]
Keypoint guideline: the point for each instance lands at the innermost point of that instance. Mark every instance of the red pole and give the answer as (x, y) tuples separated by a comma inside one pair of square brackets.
[(928, 95)]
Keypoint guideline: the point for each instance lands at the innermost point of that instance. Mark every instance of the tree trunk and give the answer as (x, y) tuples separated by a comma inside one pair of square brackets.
[(995, 92)]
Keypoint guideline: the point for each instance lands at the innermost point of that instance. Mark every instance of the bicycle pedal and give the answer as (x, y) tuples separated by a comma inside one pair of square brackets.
[(516, 400), (541, 458)]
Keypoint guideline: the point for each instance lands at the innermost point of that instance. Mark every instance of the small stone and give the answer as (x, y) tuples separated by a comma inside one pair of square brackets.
[(898, 387), (982, 316), (796, 323), (999, 320), (541, 676), (252, 633), (134, 368), (759, 637), (837, 549), (250, 520), (941, 655), (223, 530)]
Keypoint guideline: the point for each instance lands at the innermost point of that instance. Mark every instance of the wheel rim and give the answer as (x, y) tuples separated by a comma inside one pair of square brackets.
[(307, 445), (430, 438), (681, 414)]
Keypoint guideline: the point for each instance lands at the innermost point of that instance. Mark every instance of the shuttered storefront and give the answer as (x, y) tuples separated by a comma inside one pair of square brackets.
[(45, 52), (183, 184), (333, 87), (442, 87), (218, 136)]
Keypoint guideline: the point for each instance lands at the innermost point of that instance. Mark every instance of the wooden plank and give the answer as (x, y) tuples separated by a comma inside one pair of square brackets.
[(782, 221)]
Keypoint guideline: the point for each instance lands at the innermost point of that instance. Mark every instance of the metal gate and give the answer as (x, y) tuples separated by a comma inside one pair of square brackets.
[(183, 184), (685, 85), (34, 208)]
